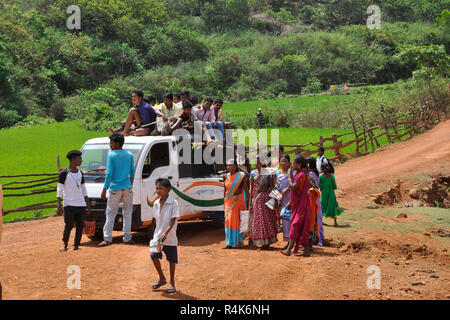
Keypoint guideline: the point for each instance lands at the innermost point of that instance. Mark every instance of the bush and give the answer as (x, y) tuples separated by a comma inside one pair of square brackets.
[(32, 121), (171, 44), (8, 118), (118, 19), (221, 15), (280, 117), (115, 59), (313, 86), (81, 105), (101, 117), (277, 87), (57, 111)]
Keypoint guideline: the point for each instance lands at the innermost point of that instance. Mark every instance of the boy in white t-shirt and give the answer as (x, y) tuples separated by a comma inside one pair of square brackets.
[(166, 215), (76, 201)]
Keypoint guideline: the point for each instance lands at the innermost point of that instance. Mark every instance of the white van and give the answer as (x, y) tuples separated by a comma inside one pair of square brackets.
[(199, 188)]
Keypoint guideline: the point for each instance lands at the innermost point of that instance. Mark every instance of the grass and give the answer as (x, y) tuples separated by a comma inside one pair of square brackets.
[(310, 102), (306, 135), (34, 150), (305, 102), (429, 217)]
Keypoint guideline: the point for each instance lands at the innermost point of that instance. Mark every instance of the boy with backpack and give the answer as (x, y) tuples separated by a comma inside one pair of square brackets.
[(321, 161), (71, 186)]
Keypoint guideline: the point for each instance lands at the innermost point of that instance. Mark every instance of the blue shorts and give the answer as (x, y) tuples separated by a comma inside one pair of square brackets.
[(170, 252)]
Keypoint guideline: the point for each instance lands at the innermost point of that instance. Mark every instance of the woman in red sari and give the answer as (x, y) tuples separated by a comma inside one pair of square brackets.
[(301, 208)]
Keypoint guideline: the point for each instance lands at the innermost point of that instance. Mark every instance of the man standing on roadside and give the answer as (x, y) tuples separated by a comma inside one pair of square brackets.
[(119, 180)]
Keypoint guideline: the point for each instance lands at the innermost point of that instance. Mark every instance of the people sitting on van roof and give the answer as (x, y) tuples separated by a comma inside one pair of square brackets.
[(218, 103), (206, 114), (177, 99), (194, 100), (140, 115), (151, 100), (169, 114), (185, 96), (146, 117), (188, 121)]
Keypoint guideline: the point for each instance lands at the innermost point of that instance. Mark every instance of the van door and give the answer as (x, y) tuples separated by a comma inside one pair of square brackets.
[(199, 189), (156, 165)]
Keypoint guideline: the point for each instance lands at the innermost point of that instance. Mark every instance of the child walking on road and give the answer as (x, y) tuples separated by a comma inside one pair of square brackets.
[(166, 216), (71, 186), (327, 185)]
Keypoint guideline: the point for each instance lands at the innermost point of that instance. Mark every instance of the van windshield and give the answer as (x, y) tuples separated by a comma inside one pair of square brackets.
[(96, 155)]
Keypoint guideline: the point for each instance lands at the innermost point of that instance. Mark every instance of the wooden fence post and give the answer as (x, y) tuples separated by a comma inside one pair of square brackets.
[(394, 126), (370, 133), (336, 150), (356, 132), (364, 131), (373, 136), (385, 125)]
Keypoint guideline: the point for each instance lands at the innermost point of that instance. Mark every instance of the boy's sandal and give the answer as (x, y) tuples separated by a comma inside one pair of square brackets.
[(63, 248), (171, 289), (158, 284)]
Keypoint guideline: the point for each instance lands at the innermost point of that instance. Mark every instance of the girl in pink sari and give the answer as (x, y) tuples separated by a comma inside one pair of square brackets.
[(300, 204)]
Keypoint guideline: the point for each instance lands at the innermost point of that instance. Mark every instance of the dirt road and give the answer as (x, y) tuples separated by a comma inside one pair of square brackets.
[(31, 267)]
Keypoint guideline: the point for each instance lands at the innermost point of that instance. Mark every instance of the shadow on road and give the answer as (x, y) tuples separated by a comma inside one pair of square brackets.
[(338, 226), (190, 233), (178, 296)]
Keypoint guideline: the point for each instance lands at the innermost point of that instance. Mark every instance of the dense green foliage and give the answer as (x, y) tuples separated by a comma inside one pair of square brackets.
[(236, 49)]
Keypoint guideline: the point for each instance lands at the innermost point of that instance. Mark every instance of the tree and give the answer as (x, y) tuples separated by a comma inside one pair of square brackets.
[(220, 15), (431, 61)]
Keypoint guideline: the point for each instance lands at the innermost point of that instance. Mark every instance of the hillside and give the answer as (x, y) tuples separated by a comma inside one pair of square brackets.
[(234, 49)]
